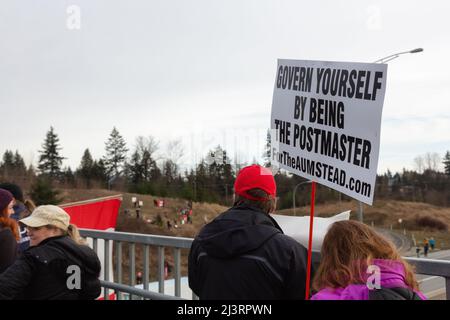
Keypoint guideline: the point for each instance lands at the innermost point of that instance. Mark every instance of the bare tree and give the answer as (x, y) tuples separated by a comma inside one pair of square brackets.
[(432, 161), (145, 158), (174, 154), (175, 151), (147, 144), (419, 163)]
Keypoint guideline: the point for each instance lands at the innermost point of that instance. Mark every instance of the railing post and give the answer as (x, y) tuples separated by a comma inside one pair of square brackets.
[(132, 265), (447, 288), (94, 245), (119, 266), (177, 274), (146, 267), (161, 269), (106, 265)]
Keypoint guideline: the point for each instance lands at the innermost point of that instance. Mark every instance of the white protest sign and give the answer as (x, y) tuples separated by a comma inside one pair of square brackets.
[(326, 117), (298, 227)]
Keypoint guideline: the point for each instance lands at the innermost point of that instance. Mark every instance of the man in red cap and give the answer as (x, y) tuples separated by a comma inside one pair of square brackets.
[(243, 253)]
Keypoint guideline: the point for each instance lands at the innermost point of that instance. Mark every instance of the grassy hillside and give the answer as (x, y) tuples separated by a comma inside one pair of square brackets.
[(382, 214)]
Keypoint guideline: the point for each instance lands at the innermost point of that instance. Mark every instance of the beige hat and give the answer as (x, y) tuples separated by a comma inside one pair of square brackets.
[(48, 215)]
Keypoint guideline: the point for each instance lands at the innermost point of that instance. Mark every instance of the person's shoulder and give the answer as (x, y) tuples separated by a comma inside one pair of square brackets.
[(288, 240), (328, 294), (5, 232), (288, 244), (351, 292)]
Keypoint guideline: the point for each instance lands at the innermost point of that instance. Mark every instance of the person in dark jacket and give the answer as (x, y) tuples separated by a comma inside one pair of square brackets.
[(243, 253), (22, 208), (55, 266), (9, 230)]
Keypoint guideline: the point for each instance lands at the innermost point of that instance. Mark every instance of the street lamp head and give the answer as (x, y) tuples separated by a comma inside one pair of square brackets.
[(416, 50), (396, 55)]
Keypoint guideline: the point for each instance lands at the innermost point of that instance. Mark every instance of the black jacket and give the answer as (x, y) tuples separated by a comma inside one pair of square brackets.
[(243, 254), (49, 271), (8, 248)]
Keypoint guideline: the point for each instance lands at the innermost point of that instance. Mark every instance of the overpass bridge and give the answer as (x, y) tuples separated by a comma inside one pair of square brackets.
[(104, 242)]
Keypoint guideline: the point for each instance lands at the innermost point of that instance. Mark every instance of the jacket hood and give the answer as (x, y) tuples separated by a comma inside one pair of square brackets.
[(77, 254), (237, 231)]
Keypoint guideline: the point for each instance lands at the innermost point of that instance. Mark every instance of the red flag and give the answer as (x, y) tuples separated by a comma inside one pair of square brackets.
[(99, 214)]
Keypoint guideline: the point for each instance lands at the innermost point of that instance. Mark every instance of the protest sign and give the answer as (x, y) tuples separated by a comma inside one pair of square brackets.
[(325, 123)]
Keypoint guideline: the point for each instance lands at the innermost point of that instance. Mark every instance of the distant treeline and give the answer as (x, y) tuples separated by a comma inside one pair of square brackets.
[(211, 180)]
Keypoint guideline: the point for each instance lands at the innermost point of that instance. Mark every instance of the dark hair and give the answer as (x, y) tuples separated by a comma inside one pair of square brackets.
[(268, 205)]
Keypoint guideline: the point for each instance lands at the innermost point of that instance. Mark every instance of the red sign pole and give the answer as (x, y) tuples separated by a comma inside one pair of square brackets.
[(311, 220)]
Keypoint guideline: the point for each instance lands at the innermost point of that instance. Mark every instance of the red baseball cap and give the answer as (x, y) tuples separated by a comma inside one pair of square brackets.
[(255, 177)]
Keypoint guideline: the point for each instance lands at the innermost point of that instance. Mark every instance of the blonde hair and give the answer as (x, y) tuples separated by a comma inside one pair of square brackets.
[(348, 249), (29, 204), (72, 232)]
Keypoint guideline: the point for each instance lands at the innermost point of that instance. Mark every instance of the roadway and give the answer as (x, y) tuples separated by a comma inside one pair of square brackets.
[(432, 286)]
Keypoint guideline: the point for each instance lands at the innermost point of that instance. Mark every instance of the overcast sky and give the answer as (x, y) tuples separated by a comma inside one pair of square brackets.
[(204, 71)]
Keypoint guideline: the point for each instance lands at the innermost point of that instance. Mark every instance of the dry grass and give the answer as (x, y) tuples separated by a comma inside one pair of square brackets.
[(383, 213), (202, 212)]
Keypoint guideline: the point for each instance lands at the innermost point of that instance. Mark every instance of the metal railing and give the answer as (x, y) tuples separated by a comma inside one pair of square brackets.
[(431, 267), (132, 240)]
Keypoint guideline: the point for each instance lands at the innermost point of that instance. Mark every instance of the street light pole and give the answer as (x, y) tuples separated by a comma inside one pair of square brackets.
[(295, 190), (384, 60), (396, 55)]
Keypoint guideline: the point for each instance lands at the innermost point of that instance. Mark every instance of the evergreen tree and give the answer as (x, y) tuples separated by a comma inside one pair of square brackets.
[(147, 148), (50, 160), (7, 166), (447, 163), (43, 193), (69, 177), (116, 154), (85, 171), (99, 171), (170, 171), (149, 167), (19, 164), (135, 168), (201, 190)]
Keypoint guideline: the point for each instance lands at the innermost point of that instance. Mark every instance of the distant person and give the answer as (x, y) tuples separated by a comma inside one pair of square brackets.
[(56, 266), (418, 251), (22, 208), (351, 255), (9, 230), (432, 243), (243, 253), (169, 225), (189, 216), (167, 269), (139, 277), (425, 247)]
